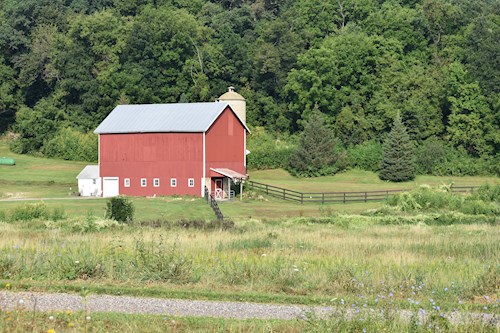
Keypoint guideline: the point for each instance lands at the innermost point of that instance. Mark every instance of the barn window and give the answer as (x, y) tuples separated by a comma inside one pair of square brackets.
[(191, 182), (156, 182), (144, 182), (173, 182), (126, 182)]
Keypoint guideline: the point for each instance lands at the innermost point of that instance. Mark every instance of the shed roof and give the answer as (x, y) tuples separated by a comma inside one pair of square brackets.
[(158, 118), (89, 172)]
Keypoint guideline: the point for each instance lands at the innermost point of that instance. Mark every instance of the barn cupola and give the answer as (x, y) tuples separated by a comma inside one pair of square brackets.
[(237, 103)]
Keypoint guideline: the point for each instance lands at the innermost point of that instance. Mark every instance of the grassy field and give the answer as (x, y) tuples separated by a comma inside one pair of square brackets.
[(428, 250), (291, 261), (357, 180)]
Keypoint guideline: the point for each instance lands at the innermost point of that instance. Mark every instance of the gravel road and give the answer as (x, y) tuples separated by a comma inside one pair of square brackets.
[(175, 307)]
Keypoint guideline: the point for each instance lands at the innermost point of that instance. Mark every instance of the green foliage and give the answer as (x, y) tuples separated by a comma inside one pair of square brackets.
[(267, 151), (484, 202), (318, 151), (67, 64), (365, 156), (71, 144), (28, 212), (398, 163), (120, 209)]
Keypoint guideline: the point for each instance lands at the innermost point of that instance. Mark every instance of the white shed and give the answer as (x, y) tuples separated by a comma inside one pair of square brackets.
[(89, 182)]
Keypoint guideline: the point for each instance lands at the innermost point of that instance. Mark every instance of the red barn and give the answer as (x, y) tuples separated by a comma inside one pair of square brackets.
[(167, 149)]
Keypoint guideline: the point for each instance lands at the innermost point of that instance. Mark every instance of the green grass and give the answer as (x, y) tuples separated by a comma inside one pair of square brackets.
[(289, 261), (356, 180), (57, 321), (62, 321), (146, 209)]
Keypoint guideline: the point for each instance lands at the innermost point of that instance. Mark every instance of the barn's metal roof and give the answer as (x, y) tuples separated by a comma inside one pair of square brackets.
[(89, 172), (158, 118)]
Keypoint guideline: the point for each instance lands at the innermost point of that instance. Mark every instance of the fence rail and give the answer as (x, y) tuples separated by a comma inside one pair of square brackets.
[(335, 197), (213, 204)]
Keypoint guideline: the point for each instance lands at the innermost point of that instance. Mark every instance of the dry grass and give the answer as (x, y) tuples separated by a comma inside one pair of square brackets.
[(320, 261)]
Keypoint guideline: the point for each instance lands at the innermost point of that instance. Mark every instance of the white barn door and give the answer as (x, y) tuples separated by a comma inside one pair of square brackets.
[(110, 187)]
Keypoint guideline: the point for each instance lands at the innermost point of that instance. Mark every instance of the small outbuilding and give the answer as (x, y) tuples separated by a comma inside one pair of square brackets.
[(89, 182)]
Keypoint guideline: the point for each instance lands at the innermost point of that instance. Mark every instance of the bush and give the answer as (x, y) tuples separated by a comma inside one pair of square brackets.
[(28, 212), (267, 151), (71, 144), (120, 209), (426, 198), (366, 156), (439, 158)]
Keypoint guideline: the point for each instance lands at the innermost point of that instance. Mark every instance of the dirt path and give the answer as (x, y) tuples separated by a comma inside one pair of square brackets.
[(46, 302)]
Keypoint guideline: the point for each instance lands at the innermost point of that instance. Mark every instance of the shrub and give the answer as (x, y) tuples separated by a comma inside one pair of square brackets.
[(58, 214), (28, 212), (71, 144), (120, 209), (366, 156), (267, 151)]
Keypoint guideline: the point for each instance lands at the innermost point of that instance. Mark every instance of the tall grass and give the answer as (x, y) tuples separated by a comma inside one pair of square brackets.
[(315, 261)]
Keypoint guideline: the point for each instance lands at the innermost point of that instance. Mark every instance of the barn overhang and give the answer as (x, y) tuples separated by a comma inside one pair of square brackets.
[(235, 176)]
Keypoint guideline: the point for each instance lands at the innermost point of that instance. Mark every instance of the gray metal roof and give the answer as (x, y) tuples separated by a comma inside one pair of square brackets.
[(89, 172), (158, 118)]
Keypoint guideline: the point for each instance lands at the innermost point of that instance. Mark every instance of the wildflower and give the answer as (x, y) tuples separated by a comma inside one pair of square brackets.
[(7, 285), (364, 330), (486, 308), (296, 269), (68, 312), (263, 254), (50, 331), (21, 301), (77, 262), (391, 294), (70, 324), (446, 289), (9, 318), (51, 317), (342, 301), (88, 318)]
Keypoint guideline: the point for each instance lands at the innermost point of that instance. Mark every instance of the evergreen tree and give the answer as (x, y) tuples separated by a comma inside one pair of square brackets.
[(398, 164), (317, 154)]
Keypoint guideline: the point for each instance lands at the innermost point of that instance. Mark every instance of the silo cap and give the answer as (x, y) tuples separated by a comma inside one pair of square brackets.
[(231, 95)]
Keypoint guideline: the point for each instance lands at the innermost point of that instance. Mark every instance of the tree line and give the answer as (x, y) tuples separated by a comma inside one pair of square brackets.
[(65, 64)]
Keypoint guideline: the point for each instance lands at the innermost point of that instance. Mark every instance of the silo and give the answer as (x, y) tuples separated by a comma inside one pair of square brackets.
[(237, 103)]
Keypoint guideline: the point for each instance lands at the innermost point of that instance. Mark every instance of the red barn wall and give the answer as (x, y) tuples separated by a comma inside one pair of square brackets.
[(153, 155), (225, 144)]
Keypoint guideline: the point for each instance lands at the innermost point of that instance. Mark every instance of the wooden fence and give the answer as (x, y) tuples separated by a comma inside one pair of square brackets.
[(213, 204), (334, 197)]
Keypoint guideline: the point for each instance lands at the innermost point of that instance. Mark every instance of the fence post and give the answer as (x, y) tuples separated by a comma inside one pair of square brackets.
[(366, 196), (283, 194), (344, 197), (302, 198), (267, 189), (323, 198)]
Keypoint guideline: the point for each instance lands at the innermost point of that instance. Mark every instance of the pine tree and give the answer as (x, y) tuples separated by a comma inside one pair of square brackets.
[(398, 164), (317, 154)]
